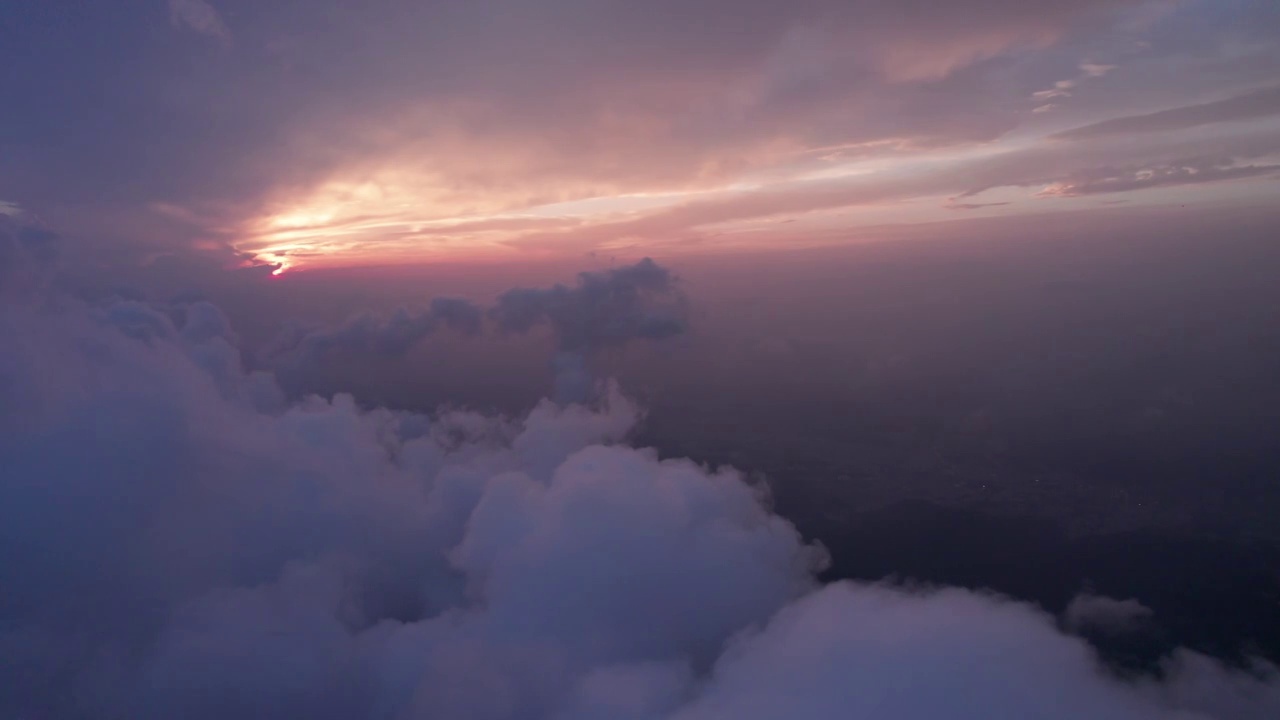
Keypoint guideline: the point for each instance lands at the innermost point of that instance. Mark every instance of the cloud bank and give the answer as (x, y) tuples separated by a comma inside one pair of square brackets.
[(176, 541), (604, 309), (601, 310), (400, 131)]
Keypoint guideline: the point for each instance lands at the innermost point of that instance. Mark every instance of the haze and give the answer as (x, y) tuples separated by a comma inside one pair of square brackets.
[(572, 360)]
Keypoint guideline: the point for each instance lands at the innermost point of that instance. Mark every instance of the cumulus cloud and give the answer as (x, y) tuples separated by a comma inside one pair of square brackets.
[(1060, 89), (856, 651), (369, 334), (604, 309), (1063, 89), (172, 547)]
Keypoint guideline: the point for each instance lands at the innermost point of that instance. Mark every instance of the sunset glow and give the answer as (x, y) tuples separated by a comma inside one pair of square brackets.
[(909, 127), (639, 359), (415, 146)]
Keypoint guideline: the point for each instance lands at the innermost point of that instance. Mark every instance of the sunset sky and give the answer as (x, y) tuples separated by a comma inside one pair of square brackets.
[(319, 133), (639, 359)]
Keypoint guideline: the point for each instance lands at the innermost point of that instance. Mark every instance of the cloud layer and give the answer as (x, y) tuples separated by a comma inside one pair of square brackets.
[(397, 130), (602, 310), (176, 541)]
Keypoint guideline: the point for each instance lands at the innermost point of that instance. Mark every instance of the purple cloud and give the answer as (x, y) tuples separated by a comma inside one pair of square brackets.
[(1251, 106)]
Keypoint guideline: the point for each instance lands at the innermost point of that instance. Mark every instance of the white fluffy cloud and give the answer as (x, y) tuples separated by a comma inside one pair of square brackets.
[(176, 541)]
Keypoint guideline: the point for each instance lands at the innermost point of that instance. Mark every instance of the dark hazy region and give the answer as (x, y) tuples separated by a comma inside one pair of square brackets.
[(1035, 415), (1087, 405)]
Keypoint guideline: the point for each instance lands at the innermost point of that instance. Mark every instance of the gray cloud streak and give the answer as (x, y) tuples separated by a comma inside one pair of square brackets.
[(1184, 172), (1251, 106), (601, 310)]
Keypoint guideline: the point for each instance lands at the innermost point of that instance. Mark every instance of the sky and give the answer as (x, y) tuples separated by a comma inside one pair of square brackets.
[(618, 360), (331, 134)]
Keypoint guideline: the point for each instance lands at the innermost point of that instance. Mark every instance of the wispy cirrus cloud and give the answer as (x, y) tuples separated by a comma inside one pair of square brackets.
[(1063, 89), (1125, 179), (1250, 106), (952, 205)]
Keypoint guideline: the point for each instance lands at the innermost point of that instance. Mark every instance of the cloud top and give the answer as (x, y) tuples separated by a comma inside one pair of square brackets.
[(178, 541)]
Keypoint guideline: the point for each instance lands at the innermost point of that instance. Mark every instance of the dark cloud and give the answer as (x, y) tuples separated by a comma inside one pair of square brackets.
[(1096, 612), (604, 309), (28, 255), (371, 335), (1252, 106)]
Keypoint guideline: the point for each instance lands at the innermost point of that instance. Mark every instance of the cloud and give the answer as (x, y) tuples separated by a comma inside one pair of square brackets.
[(1060, 89), (604, 309), (1186, 172), (368, 334), (171, 547), (28, 254), (1096, 69), (200, 16), (1251, 106), (440, 113), (1087, 612)]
